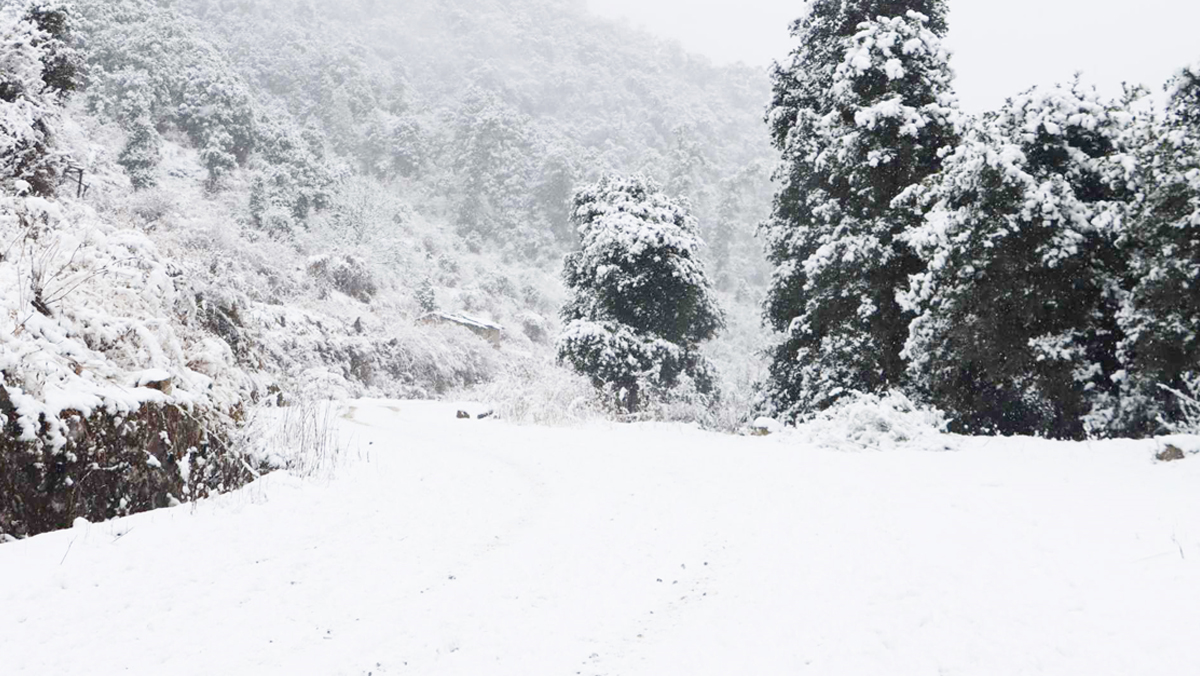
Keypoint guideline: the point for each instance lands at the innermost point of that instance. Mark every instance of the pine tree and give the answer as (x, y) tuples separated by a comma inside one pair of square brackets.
[(426, 298), (862, 110), (491, 151), (141, 154), (639, 300), (1161, 314), (1015, 328)]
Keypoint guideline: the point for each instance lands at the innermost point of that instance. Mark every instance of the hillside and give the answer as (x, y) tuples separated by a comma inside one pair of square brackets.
[(257, 203)]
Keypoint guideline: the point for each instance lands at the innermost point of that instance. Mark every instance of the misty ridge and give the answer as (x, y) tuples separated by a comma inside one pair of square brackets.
[(211, 208)]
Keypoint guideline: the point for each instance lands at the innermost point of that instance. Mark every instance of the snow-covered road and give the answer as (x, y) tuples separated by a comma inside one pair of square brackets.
[(478, 547)]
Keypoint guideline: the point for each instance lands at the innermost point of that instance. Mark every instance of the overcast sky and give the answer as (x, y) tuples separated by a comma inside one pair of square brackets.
[(1000, 47)]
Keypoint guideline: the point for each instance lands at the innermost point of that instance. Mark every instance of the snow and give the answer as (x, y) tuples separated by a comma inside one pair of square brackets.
[(478, 546), (763, 424)]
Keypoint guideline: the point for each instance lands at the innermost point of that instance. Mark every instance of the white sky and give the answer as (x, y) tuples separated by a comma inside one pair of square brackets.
[(1000, 47)]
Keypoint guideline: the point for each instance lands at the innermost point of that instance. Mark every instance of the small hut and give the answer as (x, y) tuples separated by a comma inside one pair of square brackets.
[(486, 330)]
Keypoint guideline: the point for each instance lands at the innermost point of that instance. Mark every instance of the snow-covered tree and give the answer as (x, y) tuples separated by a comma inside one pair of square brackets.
[(426, 297), (141, 154), (1161, 315), (491, 153), (37, 68), (145, 63), (408, 146), (862, 110), (1015, 328), (639, 300)]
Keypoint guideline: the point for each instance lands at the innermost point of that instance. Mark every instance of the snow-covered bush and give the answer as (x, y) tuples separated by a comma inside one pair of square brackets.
[(862, 110), (113, 397), (152, 205), (319, 355), (876, 422), (687, 401), (1015, 328), (535, 327), (539, 392), (348, 274), (640, 302)]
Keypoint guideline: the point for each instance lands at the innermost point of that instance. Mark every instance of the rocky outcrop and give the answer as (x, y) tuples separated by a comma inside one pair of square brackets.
[(111, 465)]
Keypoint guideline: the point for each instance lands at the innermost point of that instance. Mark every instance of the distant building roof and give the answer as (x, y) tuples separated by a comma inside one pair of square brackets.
[(483, 328)]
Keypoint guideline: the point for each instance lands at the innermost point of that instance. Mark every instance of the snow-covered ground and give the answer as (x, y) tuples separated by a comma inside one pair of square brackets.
[(478, 547)]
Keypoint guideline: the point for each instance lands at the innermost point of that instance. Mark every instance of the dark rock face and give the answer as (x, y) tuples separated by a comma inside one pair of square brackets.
[(111, 465)]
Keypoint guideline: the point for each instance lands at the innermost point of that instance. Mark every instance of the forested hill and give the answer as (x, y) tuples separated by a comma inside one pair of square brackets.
[(587, 83), (500, 107), (211, 206)]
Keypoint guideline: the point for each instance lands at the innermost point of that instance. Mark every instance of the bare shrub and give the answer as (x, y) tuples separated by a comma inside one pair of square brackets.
[(153, 204), (301, 438), (539, 393), (724, 409)]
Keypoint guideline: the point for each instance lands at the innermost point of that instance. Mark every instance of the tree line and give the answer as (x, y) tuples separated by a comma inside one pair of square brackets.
[(1028, 270), (1032, 270)]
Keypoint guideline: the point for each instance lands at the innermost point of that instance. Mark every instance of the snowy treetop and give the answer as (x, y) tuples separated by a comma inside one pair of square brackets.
[(886, 61), (630, 215)]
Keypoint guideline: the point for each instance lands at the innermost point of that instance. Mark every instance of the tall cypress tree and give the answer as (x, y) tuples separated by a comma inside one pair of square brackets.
[(1015, 328), (862, 110), (1160, 316)]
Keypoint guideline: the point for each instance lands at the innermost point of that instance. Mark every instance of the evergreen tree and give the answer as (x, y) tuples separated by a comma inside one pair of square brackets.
[(639, 300), (38, 68), (426, 298), (141, 154), (1161, 315), (555, 189), (409, 147), (862, 110), (1015, 328), (492, 150), (61, 63)]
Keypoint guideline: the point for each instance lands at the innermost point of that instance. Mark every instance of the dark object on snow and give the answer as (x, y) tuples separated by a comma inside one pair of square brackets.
[(461, 415), (81, 188), (1171, 452), (156, 380)]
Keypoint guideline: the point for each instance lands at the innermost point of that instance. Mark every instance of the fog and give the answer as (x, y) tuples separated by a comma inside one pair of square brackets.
[(999, 48)]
